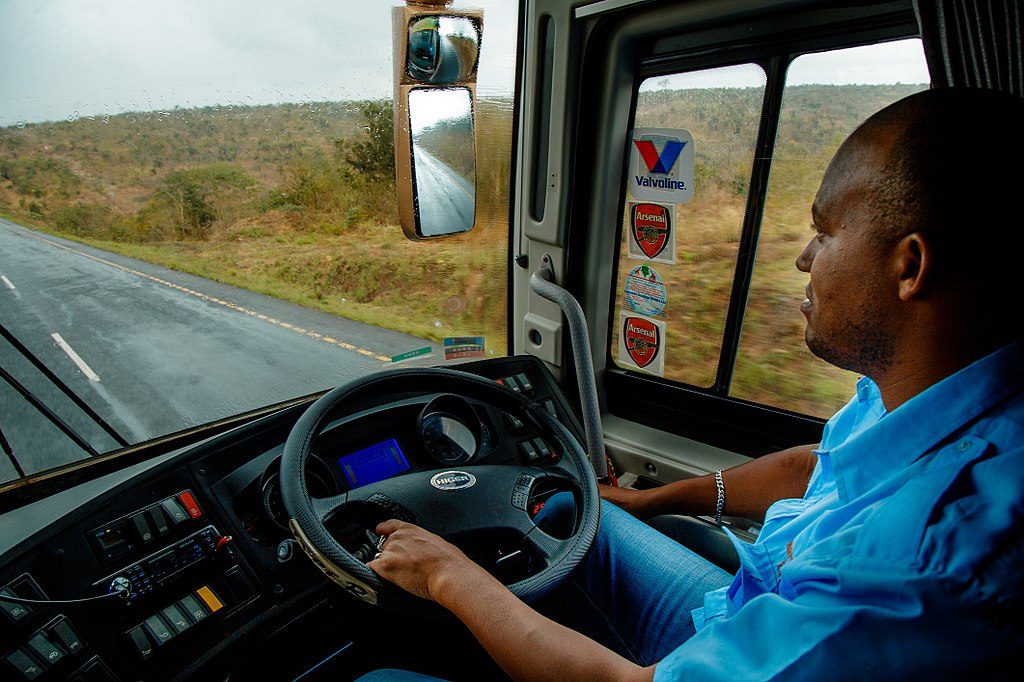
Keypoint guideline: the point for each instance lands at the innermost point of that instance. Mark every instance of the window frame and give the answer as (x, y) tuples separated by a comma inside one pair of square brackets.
[(711, 415)]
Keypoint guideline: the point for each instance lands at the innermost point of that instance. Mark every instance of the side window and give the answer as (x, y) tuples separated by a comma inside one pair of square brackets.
[(688, 299), (679, 299), (827, 95)]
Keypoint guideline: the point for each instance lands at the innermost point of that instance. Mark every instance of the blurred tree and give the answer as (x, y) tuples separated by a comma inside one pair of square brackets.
[(373, 151), (189, 194)]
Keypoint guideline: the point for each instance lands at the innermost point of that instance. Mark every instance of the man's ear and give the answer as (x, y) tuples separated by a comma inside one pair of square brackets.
[(914, 266)]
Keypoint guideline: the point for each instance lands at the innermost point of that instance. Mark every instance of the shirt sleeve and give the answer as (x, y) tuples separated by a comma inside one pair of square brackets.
[(825, 633)]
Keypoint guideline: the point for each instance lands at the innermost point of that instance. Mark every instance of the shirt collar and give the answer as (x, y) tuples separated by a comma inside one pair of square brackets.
[(912, 429)]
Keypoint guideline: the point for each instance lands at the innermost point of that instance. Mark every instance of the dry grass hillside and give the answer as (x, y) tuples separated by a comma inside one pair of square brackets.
[(297, 201)]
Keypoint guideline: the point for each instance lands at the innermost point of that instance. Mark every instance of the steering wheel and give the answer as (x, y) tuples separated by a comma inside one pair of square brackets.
[(480, 499)]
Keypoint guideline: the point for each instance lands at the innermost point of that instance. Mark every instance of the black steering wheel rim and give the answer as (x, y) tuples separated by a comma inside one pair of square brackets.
[(306, 514)]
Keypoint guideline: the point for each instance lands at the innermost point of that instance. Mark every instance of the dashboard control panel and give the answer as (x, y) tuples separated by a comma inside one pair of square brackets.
[(51, 646), (186, 612), (54, 645), (143, 527), (194, 593), (157, 569)]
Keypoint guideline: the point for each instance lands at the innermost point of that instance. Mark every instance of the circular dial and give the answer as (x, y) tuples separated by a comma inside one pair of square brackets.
[(318, 479), (450, 429), (448, 440)]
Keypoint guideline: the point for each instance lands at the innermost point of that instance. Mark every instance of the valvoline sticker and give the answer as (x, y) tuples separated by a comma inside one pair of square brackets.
[(661, 165)]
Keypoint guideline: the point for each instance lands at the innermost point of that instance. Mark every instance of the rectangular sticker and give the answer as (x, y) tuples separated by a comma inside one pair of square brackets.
[(652, 231), (661, 165), (458, 347), (408, 355), (642, 343)]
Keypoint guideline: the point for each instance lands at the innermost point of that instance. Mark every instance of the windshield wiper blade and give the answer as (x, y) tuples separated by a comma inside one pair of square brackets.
[(65, 389), (6, 447), (18, 493), (50, 415)]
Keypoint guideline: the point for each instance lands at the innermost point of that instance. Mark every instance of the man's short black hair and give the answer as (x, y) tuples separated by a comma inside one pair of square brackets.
[(954, 172)]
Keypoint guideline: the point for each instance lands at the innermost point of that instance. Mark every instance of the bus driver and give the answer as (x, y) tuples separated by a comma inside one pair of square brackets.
[(893, 547)]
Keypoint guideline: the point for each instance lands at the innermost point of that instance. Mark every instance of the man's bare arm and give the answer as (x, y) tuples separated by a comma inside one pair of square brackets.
[(527, 645), (524, 643), (750, 488)]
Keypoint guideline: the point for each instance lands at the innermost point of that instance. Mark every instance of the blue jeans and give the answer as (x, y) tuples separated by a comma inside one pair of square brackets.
[(633, 592)]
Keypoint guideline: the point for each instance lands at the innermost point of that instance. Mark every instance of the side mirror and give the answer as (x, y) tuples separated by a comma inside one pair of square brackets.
[(436, 55)]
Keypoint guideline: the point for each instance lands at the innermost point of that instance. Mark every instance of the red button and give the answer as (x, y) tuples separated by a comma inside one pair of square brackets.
[(190, 504)]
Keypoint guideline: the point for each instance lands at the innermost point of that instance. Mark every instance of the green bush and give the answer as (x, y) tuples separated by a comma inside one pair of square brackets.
[(373, 152), (190, 200), (87, 220), (38, 176)]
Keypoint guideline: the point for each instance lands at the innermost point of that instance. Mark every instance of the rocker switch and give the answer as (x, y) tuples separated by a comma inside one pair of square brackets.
[(174, 510), (190, 504), (158, 630), (14, 611), (141, 641), (47, 650), (142, 528), (67, 636), (158, 520), (24, 664)]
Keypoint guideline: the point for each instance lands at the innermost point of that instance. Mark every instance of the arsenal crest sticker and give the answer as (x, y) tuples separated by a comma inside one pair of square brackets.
[(652, 233), (642, 343)]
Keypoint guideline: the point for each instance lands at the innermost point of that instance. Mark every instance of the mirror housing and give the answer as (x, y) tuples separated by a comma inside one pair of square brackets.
[(436, 52)]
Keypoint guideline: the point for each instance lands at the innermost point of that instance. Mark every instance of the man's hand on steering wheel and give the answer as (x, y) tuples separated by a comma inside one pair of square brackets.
[(419, 561)]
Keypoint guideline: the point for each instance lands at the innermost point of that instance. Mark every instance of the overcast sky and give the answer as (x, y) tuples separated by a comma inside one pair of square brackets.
[(900, 61), (63, 58), (108, 56)]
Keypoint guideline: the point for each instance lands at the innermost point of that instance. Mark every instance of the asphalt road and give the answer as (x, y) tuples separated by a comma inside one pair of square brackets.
[(446, 200), (153, 350)]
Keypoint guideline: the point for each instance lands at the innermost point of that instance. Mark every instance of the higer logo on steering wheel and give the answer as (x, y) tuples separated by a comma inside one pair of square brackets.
[(452, 480)]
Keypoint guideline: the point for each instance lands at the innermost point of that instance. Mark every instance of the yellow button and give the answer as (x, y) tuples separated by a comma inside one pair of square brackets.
[(209, 598)]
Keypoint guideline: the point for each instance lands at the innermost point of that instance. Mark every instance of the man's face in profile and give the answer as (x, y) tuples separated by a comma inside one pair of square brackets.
[(851, 296)]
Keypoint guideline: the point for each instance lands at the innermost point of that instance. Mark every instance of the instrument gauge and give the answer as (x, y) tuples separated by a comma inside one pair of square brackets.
[(319, 483), (451, 430)]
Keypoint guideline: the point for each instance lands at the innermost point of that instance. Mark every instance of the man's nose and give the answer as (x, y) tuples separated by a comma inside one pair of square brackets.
[(806, 257)]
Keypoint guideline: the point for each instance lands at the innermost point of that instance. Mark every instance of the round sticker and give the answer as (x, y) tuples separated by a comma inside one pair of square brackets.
[(645, 292)]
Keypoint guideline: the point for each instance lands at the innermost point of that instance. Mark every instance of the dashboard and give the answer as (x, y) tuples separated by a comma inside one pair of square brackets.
[(200, 540)]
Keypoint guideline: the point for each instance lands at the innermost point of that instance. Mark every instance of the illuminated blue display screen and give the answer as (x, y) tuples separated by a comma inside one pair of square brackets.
[(373, 464)]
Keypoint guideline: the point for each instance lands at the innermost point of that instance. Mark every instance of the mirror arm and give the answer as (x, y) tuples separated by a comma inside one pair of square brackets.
[(542, 281)]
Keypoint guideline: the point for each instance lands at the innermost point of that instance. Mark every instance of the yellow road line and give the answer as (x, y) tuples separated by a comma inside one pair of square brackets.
[(213, 299)]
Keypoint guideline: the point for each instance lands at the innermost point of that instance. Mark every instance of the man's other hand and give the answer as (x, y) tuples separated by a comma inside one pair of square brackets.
[(419, 561), (636, 502)]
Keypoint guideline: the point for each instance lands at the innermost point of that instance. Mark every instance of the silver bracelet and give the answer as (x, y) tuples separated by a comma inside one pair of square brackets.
[(720, 504)]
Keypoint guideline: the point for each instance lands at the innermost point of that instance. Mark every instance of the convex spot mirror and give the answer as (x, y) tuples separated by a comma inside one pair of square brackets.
[(436, 55), (442, 49)]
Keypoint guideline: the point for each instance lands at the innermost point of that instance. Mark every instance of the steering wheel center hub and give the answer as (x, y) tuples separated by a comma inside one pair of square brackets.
[(452, 480)]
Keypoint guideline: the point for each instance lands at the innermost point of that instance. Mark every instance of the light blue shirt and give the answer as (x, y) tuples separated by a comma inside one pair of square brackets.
[(904, 558)]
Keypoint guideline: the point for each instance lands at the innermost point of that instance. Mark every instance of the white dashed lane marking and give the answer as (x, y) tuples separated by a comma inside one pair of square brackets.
[(75, 357), (7, 282), (213, 299)]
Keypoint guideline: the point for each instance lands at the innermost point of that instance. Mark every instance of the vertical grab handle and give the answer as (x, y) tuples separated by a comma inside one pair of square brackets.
[(542, 283)]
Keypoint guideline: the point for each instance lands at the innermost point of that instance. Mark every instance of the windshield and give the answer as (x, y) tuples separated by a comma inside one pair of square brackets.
[(198, 217)]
